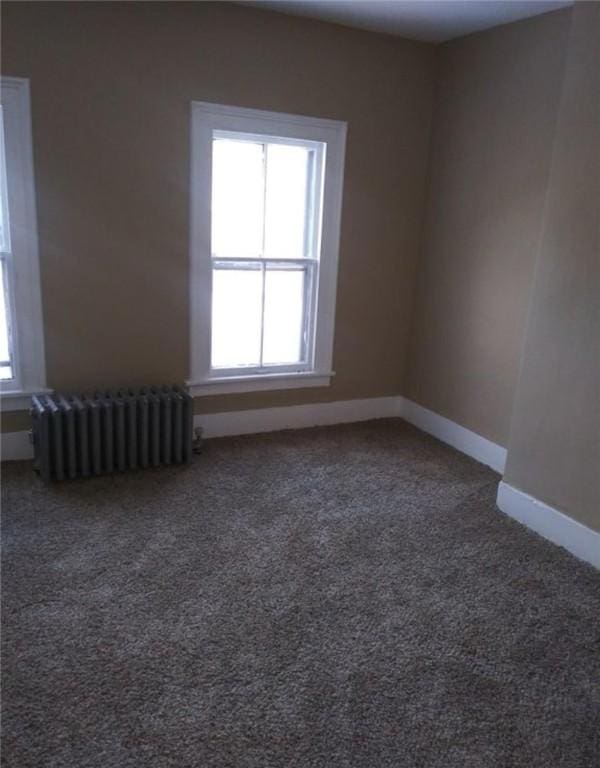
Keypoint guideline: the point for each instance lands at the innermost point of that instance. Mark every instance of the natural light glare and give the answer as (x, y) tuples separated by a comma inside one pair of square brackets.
[(5, 356), (5, 370), (283, 321), (261, 209), (237, 199), (3, 201), (286, 199), (236, 317)]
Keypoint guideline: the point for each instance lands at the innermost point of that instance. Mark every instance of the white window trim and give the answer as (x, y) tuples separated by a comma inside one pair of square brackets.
[(205, 119), (23, 271)]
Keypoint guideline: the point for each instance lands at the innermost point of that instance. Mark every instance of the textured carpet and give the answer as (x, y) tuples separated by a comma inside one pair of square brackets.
[(336, 597)]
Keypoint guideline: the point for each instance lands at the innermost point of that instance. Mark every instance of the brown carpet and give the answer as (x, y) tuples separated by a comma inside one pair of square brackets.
[(338, 597)]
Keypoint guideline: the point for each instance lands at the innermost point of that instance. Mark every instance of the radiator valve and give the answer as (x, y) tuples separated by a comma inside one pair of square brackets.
[(197, 441)]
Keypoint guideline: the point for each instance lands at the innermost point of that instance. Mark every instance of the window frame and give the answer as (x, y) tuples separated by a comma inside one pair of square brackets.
[(22, 260), (264, 126)]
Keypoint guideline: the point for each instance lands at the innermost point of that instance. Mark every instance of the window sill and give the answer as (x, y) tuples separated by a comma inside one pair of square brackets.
[(270, 381), (20, 400)]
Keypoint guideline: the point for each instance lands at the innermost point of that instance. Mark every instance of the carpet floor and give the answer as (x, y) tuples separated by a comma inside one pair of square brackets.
[(342, 597)]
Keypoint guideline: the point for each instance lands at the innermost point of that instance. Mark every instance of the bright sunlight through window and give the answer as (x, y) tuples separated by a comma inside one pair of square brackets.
[(265, 245), (266, 203), (6, 367)]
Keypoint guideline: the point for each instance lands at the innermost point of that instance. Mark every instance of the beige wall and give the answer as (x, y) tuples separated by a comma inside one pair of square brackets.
[(111, 87), (554, 447), (496, 103)]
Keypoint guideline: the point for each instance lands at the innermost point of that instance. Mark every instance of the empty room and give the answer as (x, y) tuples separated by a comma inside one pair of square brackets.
[(300, 384)]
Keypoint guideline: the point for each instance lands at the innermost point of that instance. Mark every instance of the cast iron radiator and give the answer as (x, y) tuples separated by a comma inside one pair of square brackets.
[(83, 435)]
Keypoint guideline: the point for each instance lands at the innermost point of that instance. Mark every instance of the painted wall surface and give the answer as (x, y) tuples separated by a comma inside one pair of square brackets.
[(554, 447), (15, 421), (111, 85), (497, 97)]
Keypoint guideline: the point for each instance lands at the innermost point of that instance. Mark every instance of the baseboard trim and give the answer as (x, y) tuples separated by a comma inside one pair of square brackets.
[(550, 523), (15, 446), (295, 416), (474, 445)]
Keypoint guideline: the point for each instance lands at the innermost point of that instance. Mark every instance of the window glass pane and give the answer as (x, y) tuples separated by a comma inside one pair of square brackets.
[(3, 201), (5, 367), (286, 198), (236, 316), (284, 310), (237, 198)]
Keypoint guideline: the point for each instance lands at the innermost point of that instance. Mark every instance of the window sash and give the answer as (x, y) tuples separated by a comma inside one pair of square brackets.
[(310, 267), (6, 266), (6, 282), (308, 263), (314, 185), (6, 261), (266, 138)]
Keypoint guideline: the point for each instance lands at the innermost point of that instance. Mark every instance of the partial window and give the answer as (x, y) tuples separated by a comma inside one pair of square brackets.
[(22, 367), (266, 217), (7, 367), (266, 197)]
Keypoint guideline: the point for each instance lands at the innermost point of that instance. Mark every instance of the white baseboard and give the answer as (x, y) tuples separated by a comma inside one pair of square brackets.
[(580, 540), (347, 411), (15, 446), (474, 445), (295, 416)]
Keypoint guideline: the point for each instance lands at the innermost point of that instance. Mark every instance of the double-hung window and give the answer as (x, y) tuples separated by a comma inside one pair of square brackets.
[(22, 365), (265, 211)]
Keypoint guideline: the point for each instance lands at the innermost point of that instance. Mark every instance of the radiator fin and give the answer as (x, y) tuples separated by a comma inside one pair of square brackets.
[(83, 435)]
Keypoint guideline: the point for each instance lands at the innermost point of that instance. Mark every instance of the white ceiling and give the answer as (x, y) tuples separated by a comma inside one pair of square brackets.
[(427, 20)]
